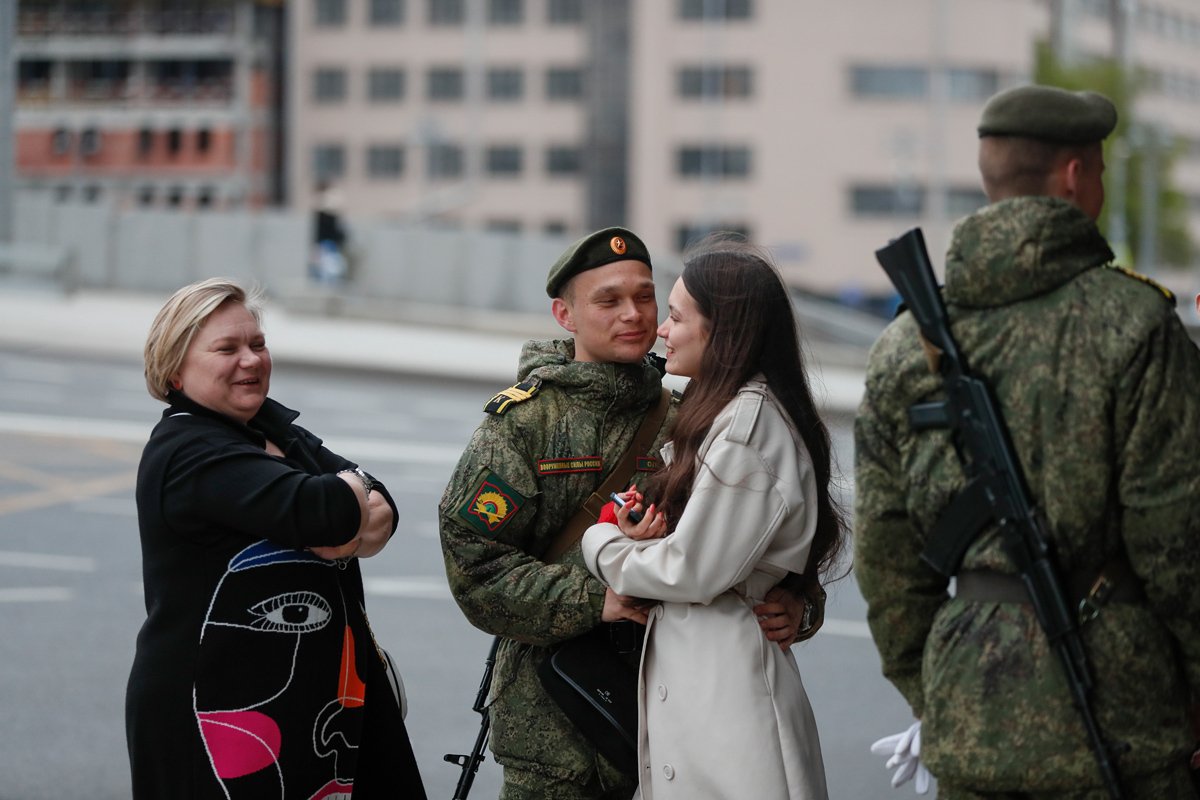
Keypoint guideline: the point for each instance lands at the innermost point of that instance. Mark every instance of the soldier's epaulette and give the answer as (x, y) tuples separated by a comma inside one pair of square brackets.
[(513, 394), (1137, 276)]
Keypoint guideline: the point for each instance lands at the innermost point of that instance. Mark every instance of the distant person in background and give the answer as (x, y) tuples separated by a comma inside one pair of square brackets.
[(256, 673), (329, 236)]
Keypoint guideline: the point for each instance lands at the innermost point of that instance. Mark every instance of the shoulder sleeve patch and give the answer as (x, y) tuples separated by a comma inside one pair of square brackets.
[(493, 503), (518, 393), (1137, 276)]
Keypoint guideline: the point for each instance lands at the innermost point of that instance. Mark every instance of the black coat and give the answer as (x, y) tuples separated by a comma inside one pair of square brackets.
[(256, 674)]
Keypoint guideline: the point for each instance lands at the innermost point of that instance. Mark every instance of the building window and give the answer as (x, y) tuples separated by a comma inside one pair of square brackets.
[(60, 142), (505, 84), (506, 12), (145, 142), (329, 85), (964, 200), (714, 162), (33, 79), (387, 12), (564, 83), (444, 162), (205, 197), (329, 13), (555, 227), (329, 161), (175, 196), (504, 161), (565, 12), (714, 82), (445, 83), (174, 141), (203, 140), (503, 225), (385, 161), (895, 82), (92, 193), (880, 200), (564, 160), (714, 9), (62, 193), (972, 85), (385, 85), (446, 12), (89, 142), (689, 234), (146, 196)]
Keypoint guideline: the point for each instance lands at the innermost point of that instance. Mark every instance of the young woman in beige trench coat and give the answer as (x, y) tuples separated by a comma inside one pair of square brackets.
[(742, 501)]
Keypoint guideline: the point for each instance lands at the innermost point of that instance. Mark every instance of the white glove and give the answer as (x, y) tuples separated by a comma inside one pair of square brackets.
[(904, 751)]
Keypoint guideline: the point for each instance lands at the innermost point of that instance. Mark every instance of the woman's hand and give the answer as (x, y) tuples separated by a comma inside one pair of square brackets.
[(374, 527), (779, 616), (334, 552), (378, 530), (653, 524)]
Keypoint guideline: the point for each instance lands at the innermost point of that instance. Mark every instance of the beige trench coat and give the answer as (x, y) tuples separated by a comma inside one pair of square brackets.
[(723, 711)]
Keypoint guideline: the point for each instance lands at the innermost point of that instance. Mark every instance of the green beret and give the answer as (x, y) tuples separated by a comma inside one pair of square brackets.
[(1050, 114), (596, 250)]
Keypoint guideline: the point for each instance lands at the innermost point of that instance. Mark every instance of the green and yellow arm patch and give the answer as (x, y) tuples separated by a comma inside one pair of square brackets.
[(490, 507)]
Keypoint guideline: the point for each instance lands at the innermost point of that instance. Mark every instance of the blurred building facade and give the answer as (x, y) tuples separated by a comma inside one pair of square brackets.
[(148, 103), (819, 131)]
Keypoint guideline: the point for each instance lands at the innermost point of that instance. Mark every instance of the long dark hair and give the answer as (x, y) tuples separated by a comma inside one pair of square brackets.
[(752, 329)]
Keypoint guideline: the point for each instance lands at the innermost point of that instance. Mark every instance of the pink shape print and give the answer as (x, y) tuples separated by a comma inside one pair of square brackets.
[(239, 742)]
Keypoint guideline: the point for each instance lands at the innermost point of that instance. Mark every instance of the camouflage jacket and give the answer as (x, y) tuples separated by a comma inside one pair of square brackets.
[(524, 474), (1097, 381)]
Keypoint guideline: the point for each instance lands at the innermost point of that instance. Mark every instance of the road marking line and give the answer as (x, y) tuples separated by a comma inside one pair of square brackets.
[(430, 587), (846, 627), (75, 427), (9, 558), (359, 449), (69, 493), (36, 594)]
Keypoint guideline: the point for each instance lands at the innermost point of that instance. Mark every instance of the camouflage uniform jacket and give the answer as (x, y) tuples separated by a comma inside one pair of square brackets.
[(1097, 381), (523, 475)]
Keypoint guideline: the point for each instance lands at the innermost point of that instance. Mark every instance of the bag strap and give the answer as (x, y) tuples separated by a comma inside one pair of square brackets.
[(589, 512)]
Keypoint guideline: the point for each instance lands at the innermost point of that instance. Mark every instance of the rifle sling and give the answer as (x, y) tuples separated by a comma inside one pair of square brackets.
[(617, 479)]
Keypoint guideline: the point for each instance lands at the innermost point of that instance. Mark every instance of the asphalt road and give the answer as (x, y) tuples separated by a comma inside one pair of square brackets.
[(70, 596)]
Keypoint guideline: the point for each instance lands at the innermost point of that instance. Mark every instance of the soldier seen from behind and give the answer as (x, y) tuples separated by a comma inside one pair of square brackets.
[(1095, 377)]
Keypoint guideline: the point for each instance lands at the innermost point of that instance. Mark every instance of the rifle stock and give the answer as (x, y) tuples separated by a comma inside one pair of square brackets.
[(470, 761), (996, 491)]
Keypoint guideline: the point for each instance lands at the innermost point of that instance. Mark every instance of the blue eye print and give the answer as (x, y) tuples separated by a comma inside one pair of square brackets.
[(291, 612)]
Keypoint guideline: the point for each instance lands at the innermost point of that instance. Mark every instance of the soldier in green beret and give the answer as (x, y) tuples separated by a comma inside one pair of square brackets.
[(545, 445), (1095, 377)]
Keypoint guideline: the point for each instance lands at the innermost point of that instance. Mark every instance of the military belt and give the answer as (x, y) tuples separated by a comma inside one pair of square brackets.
[(1091, 590)]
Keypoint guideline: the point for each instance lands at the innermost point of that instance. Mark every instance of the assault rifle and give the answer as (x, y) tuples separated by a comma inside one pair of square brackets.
[(996, 492), (470, 762)]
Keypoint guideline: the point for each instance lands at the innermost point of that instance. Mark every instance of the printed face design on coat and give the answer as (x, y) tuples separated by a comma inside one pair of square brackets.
[(685, 332), (278, 697), (227, 367)]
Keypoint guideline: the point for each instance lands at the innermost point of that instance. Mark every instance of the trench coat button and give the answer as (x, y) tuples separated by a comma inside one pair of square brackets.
[(662, 692), (669, 771)]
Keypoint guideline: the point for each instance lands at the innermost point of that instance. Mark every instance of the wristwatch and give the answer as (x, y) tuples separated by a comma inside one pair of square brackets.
[(368, 482)]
